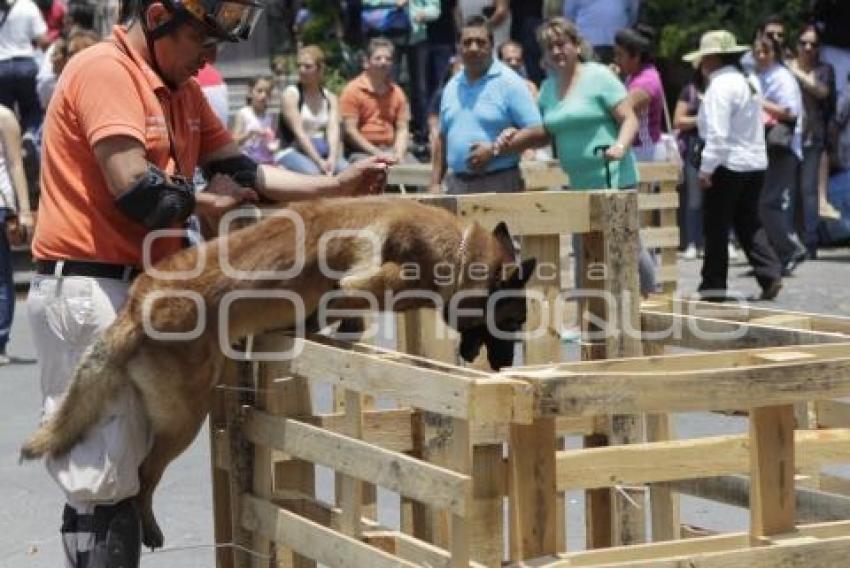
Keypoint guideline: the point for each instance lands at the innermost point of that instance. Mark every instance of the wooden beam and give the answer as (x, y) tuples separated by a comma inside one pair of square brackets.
[(721, 551), (732, 312), (533, 505), (832, 414), (531, 213), (312, 539), (441, 388), (812, 505), (772, 502), (410, 477), (709, 334), (680, 383), (660, 237), (389, 429), (687, 459)]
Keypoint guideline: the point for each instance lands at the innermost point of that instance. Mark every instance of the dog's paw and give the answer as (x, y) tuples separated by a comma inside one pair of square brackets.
[(151, 534)]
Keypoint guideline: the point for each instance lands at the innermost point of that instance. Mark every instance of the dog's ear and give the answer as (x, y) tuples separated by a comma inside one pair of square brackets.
[(521, 274), (503, 236)]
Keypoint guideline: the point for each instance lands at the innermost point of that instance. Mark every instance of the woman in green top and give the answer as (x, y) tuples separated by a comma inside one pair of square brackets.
[(584, 107), (586, 111)]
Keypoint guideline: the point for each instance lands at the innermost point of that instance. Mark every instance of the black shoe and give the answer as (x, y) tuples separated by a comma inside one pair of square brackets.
[(770, 291)]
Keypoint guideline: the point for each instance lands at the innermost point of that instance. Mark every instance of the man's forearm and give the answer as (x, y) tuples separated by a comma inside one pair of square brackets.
[(283, 185), (402, 137), (360, 143)]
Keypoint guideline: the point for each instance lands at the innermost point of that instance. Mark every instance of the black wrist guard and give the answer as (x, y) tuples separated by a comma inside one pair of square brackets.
[(241, 168), (156, 201)]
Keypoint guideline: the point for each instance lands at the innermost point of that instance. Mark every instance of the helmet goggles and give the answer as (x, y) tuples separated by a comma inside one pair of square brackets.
[(226, 20)]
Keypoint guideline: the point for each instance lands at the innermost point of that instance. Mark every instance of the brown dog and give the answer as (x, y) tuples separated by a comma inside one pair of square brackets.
[(345, 250)]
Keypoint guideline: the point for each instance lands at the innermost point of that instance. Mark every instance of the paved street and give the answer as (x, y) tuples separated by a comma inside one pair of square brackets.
[(29, 517)]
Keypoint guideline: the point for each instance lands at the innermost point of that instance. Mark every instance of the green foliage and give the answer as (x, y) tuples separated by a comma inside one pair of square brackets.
[(680, 23), (322, 27)]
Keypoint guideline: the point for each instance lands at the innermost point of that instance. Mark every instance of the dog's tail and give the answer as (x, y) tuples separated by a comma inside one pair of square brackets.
[(96, 380)]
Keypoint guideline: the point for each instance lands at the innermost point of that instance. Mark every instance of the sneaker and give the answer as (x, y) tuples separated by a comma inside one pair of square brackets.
[(827, 211), (690, 252), (4, 359)]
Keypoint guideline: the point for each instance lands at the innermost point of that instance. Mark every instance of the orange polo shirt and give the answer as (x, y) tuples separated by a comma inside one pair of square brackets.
[(376, 114), (109, 90)]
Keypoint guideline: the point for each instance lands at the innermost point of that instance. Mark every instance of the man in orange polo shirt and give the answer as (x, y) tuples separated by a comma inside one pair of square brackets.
[(374, 109), (125, 129)]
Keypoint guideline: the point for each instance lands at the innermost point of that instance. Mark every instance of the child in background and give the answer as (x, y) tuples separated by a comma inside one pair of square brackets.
[(253, 126)]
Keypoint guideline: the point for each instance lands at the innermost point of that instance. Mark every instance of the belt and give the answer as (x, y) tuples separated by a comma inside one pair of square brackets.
[(466, 176), (84, 268)]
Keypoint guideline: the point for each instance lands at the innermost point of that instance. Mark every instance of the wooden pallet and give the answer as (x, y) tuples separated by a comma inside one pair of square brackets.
[(460, 441)]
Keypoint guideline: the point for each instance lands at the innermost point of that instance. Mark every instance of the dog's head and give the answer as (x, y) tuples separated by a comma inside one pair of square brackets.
[(495, 319)]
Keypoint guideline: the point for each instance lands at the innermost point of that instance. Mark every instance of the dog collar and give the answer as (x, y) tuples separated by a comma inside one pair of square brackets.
[(462, 251)]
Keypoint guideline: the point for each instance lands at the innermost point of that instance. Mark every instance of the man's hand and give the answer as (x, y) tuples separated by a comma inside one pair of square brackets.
[(435, 189), (366, 177), (221, 195), (504, 139), (704, 180), (19, 228), (480, 153)]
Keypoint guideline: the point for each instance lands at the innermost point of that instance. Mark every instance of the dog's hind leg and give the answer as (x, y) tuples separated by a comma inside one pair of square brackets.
[(167, 445), (176, 387)]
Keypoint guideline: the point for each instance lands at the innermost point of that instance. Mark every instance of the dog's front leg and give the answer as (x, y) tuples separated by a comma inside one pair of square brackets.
[(389, 277)]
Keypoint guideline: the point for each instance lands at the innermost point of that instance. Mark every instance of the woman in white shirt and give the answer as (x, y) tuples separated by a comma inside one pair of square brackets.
[(732, 167), (309, 120)]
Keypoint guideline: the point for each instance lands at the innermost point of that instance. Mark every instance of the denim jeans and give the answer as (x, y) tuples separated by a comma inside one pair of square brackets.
[(295, 161), (17, 86), (808, 216), (7, 284), (776, 207)]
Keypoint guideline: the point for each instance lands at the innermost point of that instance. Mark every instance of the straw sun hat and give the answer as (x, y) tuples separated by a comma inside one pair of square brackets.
[(715, 42)]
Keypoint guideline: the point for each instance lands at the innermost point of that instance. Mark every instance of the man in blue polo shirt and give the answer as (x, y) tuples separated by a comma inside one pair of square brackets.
[(477, 104)]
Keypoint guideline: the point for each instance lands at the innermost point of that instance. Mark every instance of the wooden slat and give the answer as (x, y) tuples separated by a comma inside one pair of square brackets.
[(660, 237), (656, 201), (832, 413), (413, 550), (533, 503), (687, 459), (812, 505), (312, 539), (721, 551), (422, 481), (663, 502), (389, 429), (710, 334), (677, 383), (536, 174), (651, 172), (772, 509), (532, 213), (409, 381), (351, 488), (814, 322)]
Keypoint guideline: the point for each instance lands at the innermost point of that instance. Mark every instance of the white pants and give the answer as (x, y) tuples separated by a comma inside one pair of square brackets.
[(66, 315)]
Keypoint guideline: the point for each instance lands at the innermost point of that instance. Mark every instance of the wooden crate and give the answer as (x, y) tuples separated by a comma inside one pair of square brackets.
[(442, 447), (658, 202)]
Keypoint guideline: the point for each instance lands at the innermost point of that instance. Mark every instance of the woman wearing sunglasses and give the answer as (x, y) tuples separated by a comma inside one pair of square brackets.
[(817, 83)]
